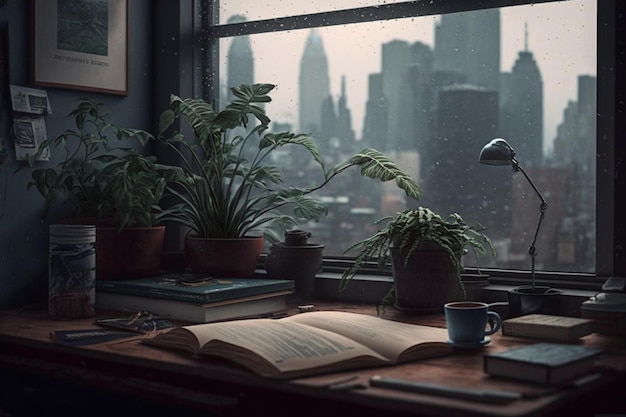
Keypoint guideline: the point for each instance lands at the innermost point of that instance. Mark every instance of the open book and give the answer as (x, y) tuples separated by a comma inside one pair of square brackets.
[(308, 343)]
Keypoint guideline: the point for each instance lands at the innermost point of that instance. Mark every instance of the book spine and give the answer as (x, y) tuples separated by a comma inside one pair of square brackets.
[(193, 297), (152, 293), (536, 331)]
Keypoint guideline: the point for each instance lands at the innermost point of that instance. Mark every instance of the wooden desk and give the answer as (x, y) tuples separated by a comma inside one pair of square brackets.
[(125, 377)]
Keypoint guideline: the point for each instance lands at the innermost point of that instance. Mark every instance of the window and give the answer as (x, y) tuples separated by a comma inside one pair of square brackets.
[(430, 84)]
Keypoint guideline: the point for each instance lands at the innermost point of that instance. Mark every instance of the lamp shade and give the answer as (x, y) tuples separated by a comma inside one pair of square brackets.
[(497, 152)]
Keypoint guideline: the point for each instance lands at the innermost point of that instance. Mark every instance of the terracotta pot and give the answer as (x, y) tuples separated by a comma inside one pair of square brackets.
[(223, 257), (129, 253), (426, 282)]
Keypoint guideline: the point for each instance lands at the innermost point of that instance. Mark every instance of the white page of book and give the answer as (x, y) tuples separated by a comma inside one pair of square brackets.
[(389, 338), (288, 346)]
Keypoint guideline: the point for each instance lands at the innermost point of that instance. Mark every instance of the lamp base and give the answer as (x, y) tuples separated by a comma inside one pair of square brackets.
[(538, 300)]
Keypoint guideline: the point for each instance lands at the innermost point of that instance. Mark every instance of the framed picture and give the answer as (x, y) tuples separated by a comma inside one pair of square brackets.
[(80, 44)]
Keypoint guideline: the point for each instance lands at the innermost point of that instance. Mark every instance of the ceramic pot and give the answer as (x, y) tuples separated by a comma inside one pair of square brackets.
[(298, 260), (299, 263), (224, 257), (539, 300), (296, 237)]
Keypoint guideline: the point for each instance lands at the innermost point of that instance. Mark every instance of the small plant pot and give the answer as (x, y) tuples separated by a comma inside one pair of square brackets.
[(426, 282), (128, 253), (539, 300), (299, 263)]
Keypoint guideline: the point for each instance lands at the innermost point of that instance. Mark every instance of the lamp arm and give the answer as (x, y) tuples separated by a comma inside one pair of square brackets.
[(517, 167), (542, 211)]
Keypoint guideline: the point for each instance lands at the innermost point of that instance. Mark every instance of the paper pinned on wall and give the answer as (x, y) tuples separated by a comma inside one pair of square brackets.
[(30, 106)]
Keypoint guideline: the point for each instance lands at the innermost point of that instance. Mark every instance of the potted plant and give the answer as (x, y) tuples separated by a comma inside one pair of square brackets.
[(229, 192), (424, 251), (109, 185)]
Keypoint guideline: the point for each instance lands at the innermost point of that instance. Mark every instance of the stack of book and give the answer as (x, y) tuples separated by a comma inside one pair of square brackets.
[(196, 298)]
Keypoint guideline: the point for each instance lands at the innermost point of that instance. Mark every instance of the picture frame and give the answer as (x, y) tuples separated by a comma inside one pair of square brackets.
[(80, 44)]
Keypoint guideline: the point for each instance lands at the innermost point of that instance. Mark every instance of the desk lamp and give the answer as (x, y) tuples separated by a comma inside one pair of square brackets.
[(499, 152)]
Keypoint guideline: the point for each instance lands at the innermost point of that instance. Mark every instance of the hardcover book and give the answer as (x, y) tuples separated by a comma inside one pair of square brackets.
[(308, 343), (87, 337), (548, 327), (544, 363), (272, 304), (200, 289)]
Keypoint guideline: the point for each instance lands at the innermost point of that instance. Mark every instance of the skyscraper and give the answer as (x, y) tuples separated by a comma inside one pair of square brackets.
[(314, 84), (240, 68), (406, 85), (522, 108), (469, 43), (376, 109), (344, 116), (455, 181), (396, 58)]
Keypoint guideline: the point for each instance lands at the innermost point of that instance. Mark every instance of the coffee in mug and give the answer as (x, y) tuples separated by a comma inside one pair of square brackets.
[(467, 322)]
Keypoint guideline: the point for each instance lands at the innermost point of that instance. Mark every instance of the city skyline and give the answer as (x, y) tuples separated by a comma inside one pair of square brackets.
[(562, 38), (433, 108)]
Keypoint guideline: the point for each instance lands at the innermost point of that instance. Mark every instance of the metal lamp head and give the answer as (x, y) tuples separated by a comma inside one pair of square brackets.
[(497, 152)]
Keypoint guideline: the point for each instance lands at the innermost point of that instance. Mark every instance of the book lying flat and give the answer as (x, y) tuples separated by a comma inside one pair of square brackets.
[(548, 327), (308, 343), (201, 289), (262, 305), (544, 363), (87, 336)]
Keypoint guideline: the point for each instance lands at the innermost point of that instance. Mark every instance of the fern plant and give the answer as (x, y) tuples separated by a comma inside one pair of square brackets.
[(408, 231), (227, 186)]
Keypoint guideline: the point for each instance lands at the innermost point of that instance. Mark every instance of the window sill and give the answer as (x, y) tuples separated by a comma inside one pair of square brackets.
[(372, 288)]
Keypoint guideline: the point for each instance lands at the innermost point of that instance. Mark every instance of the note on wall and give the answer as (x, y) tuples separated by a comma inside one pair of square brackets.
[(30, 106)]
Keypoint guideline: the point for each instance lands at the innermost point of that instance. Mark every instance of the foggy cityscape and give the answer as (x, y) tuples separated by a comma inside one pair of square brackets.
[(431, 109)]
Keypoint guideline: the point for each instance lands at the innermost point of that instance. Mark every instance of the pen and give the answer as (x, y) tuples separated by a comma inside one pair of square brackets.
[(487, 396)]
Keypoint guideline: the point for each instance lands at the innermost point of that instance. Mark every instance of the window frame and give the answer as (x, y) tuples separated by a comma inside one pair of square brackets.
[(610, 259)]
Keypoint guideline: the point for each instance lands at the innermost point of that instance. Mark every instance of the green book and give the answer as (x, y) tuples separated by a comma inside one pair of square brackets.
[(200, 289)]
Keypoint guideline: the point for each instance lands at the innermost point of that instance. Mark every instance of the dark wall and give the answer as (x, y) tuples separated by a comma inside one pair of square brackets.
[(23, 235)]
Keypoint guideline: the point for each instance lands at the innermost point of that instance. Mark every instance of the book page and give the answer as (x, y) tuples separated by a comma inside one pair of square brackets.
[(289, 347), (389, 338)]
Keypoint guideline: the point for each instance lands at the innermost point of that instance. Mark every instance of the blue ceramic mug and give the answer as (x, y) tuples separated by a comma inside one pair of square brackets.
[(467, 322)]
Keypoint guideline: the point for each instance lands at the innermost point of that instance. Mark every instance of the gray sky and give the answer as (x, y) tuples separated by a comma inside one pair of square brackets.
[(561, 36)]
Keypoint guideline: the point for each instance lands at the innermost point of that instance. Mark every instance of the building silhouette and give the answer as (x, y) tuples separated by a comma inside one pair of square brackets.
[(343, 128), (453, 180), (336, 120), (240, 63), (469, 43), (375, 129), (574, 152), (522, 108), (406, 70), (313, 84)]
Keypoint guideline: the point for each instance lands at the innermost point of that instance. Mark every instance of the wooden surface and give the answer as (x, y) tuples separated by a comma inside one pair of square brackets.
[(128, 367)]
